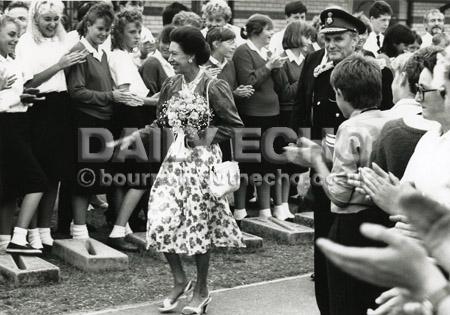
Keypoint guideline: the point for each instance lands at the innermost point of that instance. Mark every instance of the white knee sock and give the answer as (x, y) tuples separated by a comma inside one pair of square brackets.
[(128, 229), (80, 232), (288, 212), (4, 241), (46, 236), (19, 236), (265, 213), (239, 214), (117, 231), (34, 238)]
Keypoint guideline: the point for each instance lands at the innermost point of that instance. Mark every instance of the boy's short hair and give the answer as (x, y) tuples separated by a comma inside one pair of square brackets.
[(171, 10), (294, 8), (380, 8), (359, 79)]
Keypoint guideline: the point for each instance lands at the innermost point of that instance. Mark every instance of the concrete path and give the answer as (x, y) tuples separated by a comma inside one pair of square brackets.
[(294, 295)]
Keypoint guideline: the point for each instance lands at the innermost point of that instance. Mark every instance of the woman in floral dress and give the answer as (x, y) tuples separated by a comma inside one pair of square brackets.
[(184, 217)]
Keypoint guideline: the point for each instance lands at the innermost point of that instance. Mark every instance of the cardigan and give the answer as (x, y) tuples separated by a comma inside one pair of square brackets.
[(395, 146), (90, 86), (225, 115), (251, 70), (153, 75), (228, 73), (290, 73)]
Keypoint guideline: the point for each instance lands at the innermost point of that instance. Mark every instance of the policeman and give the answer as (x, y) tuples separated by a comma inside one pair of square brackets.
[(316, 108)]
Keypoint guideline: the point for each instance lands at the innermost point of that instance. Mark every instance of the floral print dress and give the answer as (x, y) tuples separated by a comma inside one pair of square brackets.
[(184, 217)]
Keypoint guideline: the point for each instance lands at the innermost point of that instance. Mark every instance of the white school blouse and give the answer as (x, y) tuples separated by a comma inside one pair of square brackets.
[(10, 98), (37, 57), (123, 71), (429, 167)]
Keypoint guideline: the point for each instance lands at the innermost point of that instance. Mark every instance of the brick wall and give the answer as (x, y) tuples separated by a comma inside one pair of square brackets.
[(275, 9), (243, 9)]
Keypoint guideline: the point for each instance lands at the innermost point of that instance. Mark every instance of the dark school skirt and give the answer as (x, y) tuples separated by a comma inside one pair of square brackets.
[(20, 170), (137, 169), (90, 163), (50, 122), (266, 165)]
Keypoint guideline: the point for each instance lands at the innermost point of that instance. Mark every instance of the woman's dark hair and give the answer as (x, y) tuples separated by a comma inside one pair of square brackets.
[(293, 35), (122, 19), (98, 11), (84, 8), (363, 18), (192, 42), (417, 37), (419, 60), (164, 36), (171, 10), (255, 25), (431, 60), (219, 33), (395, 35)]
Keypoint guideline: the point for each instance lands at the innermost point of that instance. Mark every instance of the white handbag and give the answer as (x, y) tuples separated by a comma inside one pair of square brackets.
[(225, 177)]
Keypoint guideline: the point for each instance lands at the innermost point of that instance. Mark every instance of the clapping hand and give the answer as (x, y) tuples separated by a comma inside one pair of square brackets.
[(146, 48), (6, 81), (213, 72), (403, 263), (431, 220), (381, 187), (397, 301), (304, 152), (244, 91), (275, 62)]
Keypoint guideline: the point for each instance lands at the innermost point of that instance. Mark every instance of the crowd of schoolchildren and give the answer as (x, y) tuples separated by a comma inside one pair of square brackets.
[(375, 97)]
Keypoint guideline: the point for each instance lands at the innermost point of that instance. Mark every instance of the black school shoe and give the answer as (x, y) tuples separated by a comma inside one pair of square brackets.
[(22, 249), (121, 244)]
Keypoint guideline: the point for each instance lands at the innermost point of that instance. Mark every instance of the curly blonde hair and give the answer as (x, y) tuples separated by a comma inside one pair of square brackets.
[(217, 7), (40, 7), (122, 19)]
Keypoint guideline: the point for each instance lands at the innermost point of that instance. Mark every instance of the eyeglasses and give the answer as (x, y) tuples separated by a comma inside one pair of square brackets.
[(421, 90)]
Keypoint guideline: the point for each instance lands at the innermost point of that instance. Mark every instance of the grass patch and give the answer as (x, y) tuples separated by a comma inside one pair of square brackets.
[(148, 279)]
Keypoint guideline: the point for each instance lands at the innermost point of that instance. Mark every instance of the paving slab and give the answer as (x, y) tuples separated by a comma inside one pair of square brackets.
[(289, 296), (90, 255), (281, 231), (140, 240), (252, 241), (305, 218), (16, 271)]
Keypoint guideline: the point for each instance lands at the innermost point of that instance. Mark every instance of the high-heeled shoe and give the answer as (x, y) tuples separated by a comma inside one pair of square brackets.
[(168, 305), (201, 309)]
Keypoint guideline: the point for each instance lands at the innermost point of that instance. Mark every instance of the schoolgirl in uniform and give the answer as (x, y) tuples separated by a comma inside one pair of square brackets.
[(44, 51), (22, 175)]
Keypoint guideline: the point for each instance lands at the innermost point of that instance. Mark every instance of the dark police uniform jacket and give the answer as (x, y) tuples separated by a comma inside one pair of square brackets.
[(315, 106)]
